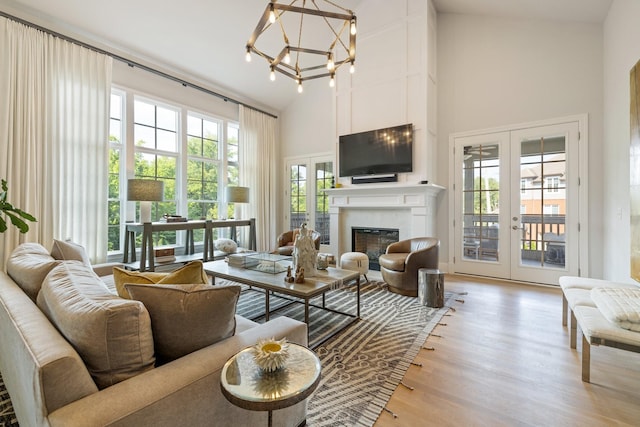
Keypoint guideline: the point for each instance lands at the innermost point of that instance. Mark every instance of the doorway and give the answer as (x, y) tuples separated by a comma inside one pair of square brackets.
[(306, 202), (516, 201)]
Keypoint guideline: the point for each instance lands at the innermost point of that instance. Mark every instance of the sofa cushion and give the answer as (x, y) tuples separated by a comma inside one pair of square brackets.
[(190, 273), (393, 261), (69, 251), (112, 335), (28, 265), (226, 245), (188, 317)]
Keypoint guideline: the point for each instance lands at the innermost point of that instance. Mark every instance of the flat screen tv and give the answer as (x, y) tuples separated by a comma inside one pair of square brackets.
[(376, 152)]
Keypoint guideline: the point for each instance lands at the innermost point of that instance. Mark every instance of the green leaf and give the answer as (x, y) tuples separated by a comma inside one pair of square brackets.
[(3, 225), (25, 215), (16, 221)]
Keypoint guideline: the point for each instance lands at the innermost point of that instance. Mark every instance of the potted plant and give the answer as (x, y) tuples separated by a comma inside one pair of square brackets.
[(17, 216)]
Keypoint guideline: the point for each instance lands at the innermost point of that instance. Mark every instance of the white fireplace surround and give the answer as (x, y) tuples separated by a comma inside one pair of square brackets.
[(409, 208)]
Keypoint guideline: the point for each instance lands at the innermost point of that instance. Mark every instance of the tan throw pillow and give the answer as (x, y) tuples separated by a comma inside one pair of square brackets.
[(112, 335), (28, 265), (186, 318), (69, 251), (190, 273)]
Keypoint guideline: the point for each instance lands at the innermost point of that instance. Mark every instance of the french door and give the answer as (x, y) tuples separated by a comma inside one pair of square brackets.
[(517, 203), (306, 202)]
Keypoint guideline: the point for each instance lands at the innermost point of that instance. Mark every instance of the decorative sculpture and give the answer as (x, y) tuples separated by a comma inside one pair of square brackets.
[(305, 253)]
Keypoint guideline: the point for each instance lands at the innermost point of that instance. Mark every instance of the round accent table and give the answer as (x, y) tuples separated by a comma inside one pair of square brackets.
[(245, 385)]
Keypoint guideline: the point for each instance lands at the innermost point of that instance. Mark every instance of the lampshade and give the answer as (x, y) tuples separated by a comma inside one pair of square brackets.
[(147, 190), (237, 194)]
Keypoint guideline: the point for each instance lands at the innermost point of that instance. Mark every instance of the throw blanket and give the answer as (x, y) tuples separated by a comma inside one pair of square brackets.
[(619, 305)]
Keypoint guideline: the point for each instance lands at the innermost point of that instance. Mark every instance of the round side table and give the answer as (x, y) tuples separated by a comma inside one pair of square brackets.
[(247, 386)]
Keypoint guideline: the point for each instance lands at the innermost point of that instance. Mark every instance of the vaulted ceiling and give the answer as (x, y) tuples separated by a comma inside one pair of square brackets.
[(206, 40)]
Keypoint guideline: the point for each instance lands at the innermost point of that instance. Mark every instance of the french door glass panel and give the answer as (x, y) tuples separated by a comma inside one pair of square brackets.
[(545, 208), (481, 239), (307, 202), (518, 205)]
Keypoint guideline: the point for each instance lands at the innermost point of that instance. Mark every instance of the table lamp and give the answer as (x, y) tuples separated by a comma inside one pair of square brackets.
[(145, 191), (237, 195)]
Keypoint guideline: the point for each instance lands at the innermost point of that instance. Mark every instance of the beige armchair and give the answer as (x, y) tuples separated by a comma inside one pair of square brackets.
[(400, 264), (286, 240)]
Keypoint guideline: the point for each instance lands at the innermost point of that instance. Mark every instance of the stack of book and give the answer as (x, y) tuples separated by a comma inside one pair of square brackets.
[(242, 260), (163, 255)]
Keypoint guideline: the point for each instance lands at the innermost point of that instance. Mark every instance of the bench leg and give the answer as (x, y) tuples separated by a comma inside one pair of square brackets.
[(574, 331), (586, 360), (564, 310)]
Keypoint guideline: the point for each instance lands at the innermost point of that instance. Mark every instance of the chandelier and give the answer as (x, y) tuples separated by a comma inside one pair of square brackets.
[(328, 43)]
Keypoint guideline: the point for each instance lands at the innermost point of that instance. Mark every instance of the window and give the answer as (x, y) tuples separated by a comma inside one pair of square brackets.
[(116, 171), (552, 183), (195, 154), (551, 209)]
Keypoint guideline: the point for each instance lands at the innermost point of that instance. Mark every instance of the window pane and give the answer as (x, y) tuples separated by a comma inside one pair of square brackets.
[(167, 119), (194, 126), (167, 141), (144, 136), (144, 113)]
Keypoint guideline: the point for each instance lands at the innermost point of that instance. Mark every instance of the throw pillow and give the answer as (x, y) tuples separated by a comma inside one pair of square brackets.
[(28, 265), (192, 272), (226, 245), (112, 335), (69, 251), (186, 318)]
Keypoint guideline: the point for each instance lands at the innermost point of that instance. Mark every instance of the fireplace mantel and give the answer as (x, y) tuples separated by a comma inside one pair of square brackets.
[(380, 197), (411, 208)]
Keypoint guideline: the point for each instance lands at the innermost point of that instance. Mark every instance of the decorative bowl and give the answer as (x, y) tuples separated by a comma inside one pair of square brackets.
[(270, 354)]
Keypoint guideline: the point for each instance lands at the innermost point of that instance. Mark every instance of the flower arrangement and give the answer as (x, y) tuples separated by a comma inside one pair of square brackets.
[(271, 354)]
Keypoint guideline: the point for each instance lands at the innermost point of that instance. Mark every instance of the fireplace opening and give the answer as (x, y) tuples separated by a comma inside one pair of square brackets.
[(373, 242)]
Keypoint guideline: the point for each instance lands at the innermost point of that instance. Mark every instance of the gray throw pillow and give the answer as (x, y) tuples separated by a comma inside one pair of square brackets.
[(186, 318), (112, 335)]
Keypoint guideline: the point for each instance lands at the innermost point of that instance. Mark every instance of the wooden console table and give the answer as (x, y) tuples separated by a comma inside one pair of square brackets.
[(148, 228)]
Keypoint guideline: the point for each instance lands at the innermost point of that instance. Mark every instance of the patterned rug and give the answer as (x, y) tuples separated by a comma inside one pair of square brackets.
[(362, 365)]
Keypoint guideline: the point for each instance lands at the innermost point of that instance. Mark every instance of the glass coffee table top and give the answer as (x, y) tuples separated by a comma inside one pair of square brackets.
[(244, 384)]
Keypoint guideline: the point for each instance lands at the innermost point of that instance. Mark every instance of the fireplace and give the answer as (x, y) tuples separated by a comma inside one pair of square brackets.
[(373, 242), (411, 209)]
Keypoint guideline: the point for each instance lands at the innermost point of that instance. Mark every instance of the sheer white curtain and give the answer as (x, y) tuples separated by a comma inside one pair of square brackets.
[(53, 150), (258, 171)]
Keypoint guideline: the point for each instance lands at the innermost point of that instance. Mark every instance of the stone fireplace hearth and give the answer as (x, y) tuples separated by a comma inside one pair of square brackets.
[(409, 208)]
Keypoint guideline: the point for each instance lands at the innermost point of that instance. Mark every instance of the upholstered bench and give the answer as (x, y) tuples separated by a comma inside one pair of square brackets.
[(576, 291), (597, 330)]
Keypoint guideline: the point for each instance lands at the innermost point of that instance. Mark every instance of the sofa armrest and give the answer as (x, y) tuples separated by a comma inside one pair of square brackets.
[(403, 246), (106, 268), (185, 391)]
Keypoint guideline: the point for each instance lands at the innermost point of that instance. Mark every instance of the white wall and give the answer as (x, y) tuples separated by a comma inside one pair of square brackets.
[(497, 71), (621, 52), (395, 67)]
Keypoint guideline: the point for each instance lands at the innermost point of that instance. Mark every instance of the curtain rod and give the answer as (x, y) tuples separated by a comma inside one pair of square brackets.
[(133, 63)]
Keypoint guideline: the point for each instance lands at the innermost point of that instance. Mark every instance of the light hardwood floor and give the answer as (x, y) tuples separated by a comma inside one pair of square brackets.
[(504, 360)]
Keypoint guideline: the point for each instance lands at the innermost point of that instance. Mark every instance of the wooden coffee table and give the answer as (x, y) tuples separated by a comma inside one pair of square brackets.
[(331, 278)]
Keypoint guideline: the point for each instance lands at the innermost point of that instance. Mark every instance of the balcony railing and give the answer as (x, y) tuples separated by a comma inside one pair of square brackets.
[(542, 238)]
